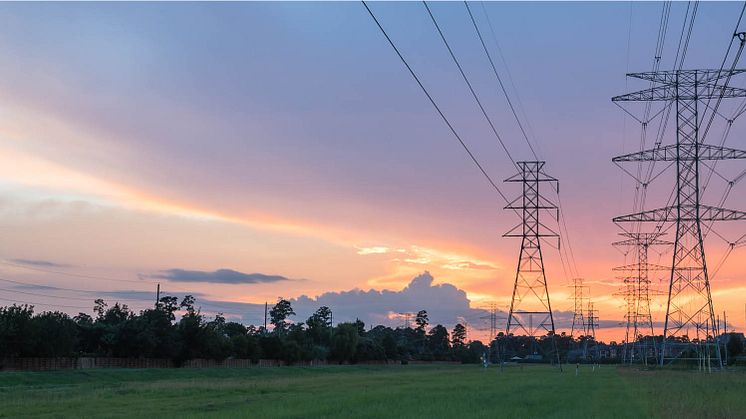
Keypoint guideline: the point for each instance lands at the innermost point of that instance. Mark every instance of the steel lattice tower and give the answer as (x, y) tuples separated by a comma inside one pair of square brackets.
[(591, 319), (579, 297), (689, 296), (530, 308), (636, 293)]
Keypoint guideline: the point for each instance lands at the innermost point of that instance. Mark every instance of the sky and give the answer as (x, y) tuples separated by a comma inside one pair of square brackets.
[(243, 152)]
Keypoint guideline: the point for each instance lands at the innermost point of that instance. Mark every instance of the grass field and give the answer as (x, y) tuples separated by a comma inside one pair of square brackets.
[(373, 391)]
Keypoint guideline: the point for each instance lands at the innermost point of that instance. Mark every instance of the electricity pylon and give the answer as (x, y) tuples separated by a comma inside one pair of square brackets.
[(689, 296), (493, 318), (579, 297), (530, 308), (636, 293), (591, 319)]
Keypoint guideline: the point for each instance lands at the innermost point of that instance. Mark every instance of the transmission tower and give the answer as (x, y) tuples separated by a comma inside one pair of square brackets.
[(591, 319), (530, 308), (406, 319), (636, 293), (689, 296), (579, 293), (493, 318)]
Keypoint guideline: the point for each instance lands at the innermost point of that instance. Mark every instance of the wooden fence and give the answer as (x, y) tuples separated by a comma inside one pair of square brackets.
[(48, 364)]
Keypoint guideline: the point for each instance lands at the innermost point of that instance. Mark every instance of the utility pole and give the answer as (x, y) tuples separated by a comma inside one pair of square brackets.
[(530, 292), (157, 294), (689, 295), (636, 293), (265, 316)]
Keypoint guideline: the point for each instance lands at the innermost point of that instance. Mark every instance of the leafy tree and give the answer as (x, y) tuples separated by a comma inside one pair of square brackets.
[(438, 342), (734, 345), (360, 327), (55, 335), (319, 325), (458, 337), (344, 342), (279, 314), (15, 331), (422, 320)]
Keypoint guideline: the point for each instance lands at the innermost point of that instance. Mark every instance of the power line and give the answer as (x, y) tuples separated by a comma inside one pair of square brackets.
[(561, 219), (141, 282), (33, 268), (40, 304), (468, 83), (500, 81), (435, 105)]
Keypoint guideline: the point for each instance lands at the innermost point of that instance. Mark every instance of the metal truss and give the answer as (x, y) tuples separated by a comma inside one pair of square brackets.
[(636, 293), (689, 297), (530, 308)]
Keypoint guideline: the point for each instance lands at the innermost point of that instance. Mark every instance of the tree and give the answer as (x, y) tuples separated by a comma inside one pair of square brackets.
[(360, 327), (187, 304), (734, 346), (279, 314), (458, 337), (319, 325), (344, 342), (55, 335), (422, 320), (438, 342), (15, 330)]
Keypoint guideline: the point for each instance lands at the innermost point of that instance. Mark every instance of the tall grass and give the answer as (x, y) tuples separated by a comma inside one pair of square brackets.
[(372, 392)]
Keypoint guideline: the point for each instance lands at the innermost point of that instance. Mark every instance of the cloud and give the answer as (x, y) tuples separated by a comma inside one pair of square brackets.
[(39, 263), (445, 303), (466, 264), (373, 250), (418, 255), (220, 276)]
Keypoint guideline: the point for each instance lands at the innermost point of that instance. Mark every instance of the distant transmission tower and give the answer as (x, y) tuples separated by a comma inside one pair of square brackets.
[(492, 317), (591, 319), (636, 293), (689, 296), (530, 308), (579, 297), (406, 318)]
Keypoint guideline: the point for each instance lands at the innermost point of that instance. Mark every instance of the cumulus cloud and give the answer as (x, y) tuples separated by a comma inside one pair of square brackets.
[(445, 303), (220, 276)]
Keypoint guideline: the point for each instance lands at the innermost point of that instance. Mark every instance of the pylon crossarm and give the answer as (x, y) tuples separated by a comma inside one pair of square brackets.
[(670, 153), (706, 213), (668, 92), (703, 75), (642, 266)]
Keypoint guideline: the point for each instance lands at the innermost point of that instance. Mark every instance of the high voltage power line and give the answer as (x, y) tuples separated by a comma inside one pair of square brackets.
[(94, 293), (435, 105), (468, 83), (567, 259)]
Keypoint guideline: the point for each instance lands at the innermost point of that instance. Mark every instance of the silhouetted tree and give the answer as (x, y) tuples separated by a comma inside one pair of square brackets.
[(458, 337), (279, 314)]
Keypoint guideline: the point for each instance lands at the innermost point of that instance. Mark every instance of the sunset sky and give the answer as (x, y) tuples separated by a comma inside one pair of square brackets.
[(245, 151)]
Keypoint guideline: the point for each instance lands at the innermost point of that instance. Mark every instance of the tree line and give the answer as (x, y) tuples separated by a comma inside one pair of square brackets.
[(118, 331)]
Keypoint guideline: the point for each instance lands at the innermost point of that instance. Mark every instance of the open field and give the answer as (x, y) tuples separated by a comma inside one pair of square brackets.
[(372, 391)]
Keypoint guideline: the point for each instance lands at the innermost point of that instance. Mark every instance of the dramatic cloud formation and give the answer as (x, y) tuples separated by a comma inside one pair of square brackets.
[(220, 276), (445, 303)]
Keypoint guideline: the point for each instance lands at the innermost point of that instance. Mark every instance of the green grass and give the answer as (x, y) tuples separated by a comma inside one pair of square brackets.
[(372, 392)]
